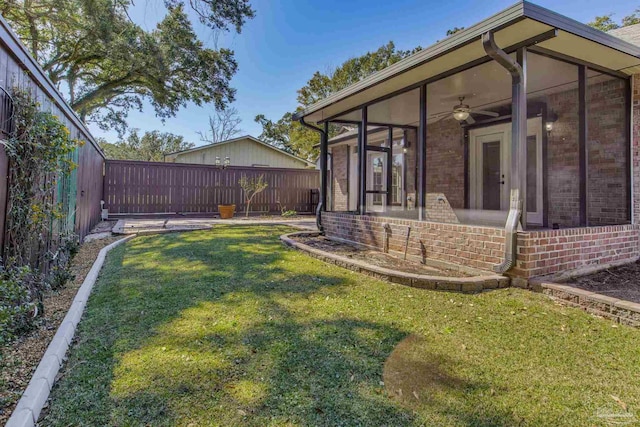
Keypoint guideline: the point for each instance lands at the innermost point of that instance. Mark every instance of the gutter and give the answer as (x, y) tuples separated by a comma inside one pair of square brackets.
[(324, 135), (518, 141)]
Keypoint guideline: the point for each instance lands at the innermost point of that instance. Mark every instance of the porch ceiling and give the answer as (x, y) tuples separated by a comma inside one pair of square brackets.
[(515, 25), (479, 86)]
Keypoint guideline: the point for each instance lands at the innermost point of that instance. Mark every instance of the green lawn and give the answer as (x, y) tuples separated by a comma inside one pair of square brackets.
[(228, 327)]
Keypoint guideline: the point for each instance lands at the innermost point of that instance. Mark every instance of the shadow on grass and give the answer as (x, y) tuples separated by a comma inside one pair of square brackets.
[(227, 327)]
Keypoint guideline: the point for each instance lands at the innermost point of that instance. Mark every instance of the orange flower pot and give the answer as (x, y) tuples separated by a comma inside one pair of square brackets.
[(226, 211)]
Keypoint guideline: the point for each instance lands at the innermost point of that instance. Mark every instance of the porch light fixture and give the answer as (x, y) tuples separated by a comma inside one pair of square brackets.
[(461, 113), (405, 145), (552, 117)]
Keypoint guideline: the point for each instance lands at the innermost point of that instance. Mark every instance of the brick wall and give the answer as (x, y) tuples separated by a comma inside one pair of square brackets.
[(445, 161), (471, 246), (340, 178), (539, 252), (608, 151), (563, 179), (555, 251), (410, 162)]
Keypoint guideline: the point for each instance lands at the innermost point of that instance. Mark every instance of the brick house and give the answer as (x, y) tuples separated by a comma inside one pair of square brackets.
[(508, 146)]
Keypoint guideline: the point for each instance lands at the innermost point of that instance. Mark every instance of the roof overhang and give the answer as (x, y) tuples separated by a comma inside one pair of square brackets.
[(521, 24)]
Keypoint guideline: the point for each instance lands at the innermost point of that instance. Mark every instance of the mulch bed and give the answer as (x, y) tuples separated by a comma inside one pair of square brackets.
[(379, 259), (19, 359), (618, 282)]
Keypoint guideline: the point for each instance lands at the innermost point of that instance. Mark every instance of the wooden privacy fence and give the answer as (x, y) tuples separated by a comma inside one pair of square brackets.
[(134, 187)]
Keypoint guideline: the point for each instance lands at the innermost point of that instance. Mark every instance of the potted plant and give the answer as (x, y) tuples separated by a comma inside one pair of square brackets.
[(226, 211)]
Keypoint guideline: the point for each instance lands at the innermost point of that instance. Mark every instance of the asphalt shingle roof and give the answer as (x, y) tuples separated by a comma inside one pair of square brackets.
[(629, 33)]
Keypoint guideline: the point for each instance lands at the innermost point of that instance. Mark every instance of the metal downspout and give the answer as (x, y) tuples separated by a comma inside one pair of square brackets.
[(518, 142), (323, 169)]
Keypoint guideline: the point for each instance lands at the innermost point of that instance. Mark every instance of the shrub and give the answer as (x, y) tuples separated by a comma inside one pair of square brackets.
[(17, 307), (39, 240), (250, 188)]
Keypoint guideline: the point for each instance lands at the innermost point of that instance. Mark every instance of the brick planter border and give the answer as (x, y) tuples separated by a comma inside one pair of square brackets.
[(621, 311), (472, 284), (35, 396)]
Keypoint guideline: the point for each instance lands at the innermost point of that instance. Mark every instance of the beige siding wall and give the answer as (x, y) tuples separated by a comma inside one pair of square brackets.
[(242, 153)]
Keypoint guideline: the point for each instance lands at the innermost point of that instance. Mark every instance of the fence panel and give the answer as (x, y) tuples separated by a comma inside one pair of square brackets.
[(133, 187)]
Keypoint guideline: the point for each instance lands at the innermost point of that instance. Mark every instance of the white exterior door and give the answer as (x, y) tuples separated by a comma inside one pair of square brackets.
[(489, 164)]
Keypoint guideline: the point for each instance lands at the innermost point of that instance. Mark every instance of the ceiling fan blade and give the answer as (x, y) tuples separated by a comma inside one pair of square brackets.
[(470, 120), (485, 113), (444, 116)]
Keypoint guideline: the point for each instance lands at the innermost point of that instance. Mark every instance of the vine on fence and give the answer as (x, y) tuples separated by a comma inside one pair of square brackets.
[(38, 244)]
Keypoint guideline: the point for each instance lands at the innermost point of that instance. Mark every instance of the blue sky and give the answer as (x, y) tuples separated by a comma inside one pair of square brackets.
[(288, 40)]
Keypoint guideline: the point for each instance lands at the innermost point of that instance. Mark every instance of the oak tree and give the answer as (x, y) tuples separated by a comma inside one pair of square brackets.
[(108, 65)]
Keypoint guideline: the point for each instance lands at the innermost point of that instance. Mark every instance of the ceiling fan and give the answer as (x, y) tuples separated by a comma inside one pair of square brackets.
[(462, 113)]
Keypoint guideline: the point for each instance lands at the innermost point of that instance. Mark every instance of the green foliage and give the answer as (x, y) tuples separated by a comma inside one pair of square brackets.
[(17, 306), (289, 136), (286, 212), (150, 147), (606, 23), (632, 19), (294, 138), (40, 152), (250, 188), (110, 65), (38, 245), (349, 72), (454, 30)]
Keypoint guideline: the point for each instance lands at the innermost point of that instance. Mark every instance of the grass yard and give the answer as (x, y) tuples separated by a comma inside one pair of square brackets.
[(228, 327)]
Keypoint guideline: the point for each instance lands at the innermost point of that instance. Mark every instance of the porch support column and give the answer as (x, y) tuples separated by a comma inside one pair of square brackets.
[(519, 140), (362, 163), (583, 159), (389, 176), (324, 143), (422, 153)]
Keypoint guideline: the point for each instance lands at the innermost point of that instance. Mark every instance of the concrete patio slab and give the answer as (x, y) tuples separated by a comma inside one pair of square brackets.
[(168, 225)]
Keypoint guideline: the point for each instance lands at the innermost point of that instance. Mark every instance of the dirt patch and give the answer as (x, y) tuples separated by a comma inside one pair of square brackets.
[(19, 359), (413, 377), (621, 282), (372, 257)]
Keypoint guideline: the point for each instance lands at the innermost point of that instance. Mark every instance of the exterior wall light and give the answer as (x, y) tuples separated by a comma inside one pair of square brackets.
[(223, 165), (552, 117), (405, 145)]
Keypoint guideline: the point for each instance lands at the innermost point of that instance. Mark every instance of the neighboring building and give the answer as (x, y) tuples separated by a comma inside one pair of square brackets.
[(243, 151), (508, 146)]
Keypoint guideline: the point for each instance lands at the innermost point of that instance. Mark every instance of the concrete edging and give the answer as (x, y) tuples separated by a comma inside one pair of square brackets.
[(472, 284), (35, 396), (621, 311)]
